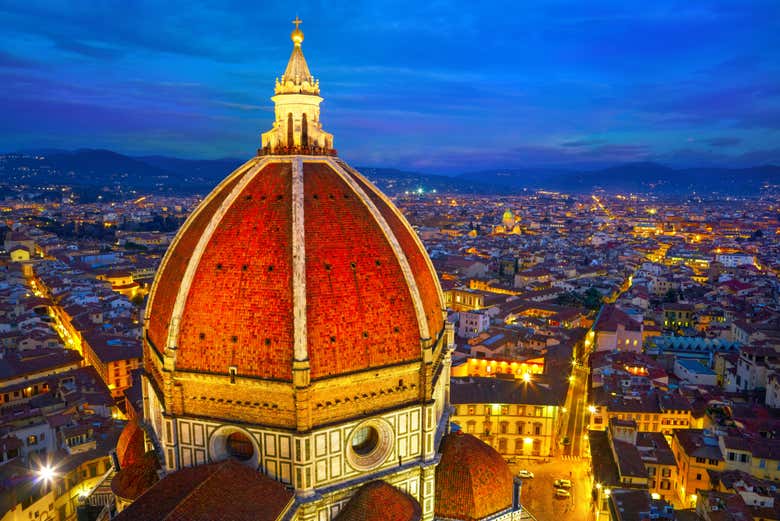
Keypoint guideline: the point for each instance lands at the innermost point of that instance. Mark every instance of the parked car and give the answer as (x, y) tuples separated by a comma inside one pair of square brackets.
[(562, 483), (525, 474), (562, 492)]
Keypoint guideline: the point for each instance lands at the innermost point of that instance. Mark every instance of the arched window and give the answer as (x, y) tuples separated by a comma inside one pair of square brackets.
[(239, 446), (519, 446), (520, 427), (304, 132), (502, 445), (290, 138)]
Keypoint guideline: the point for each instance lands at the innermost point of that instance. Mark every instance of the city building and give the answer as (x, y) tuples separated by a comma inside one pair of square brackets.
[(520, 418)]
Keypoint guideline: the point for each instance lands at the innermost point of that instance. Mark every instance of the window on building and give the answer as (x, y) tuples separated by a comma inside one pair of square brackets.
[(665, 484), (712, 462), (32, 439), (486, 428), (537, 447), (521, 410), (472, 410), (520, 427), (539, 411), (701, 460), (762, 463), (470, 426), (504, 427), (502, 445), (518, 446), (698, 476), (505, 409), (651, 471), (732, 456), (240, 447), (743, 458), (666, 472), (537, 429)]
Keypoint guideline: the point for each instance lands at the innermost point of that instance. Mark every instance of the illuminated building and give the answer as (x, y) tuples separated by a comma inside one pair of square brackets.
[(520, 418), (296, 352)]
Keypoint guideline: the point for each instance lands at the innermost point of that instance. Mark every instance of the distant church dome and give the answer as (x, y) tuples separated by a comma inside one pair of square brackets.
[(508, 219)]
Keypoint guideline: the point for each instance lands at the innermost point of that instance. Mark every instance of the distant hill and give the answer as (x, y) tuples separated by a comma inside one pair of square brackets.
[(114, 175), (645, 177), (393, 181)]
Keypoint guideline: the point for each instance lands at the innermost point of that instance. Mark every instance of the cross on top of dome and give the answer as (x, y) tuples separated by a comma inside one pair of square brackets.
[(297, 127)]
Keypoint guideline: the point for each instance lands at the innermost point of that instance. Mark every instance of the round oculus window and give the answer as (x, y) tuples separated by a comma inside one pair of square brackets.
[(365, 440), (369, 445)]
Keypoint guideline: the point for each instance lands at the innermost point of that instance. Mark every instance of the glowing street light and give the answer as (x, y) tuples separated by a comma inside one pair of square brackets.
[(592, 409), (46, 473), (526, 377)]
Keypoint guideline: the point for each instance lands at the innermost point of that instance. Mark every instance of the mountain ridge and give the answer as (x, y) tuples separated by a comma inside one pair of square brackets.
[(106, 169)]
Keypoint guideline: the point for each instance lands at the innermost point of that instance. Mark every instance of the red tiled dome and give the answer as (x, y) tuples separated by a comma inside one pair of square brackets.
[(378, 501), (133, 480), (364, 296), (472, 480), (130, 446)]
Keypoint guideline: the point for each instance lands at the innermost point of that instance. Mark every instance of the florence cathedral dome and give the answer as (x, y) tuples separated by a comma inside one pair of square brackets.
[(295, 340)]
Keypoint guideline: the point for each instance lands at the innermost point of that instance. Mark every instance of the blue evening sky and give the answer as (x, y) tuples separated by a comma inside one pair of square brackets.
[(435, 86)]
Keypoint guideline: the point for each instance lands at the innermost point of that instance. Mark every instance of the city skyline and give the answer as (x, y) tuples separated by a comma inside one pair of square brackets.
[(440, 89)]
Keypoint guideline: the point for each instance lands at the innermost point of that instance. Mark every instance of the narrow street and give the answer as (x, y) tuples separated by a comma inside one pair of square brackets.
[(538, 493)]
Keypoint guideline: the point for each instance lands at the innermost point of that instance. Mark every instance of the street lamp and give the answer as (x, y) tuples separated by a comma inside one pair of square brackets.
[(592, 409), (46, 473), (527, 377)]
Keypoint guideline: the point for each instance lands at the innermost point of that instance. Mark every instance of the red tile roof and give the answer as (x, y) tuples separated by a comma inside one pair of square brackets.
[(135, 479), (378, 501), (224, 490), (472, 479), (360, 310), (130, 446)]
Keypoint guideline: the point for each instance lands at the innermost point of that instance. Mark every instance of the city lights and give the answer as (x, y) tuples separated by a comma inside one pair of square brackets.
[(46, 473)]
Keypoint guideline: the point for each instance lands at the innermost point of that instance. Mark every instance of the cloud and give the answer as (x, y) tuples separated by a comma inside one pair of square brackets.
[(723, 141), (582, 143), (11, 61)]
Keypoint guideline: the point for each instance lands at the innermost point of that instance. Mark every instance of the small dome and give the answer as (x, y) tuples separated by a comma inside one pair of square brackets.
[(133, 480), (378, 501), (130, 446), (472, 480)]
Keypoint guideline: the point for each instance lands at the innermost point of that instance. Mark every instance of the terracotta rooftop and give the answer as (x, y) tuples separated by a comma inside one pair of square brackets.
[(472, 480), (228, 490), (370, 291), (130, 447), (379, 501)]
